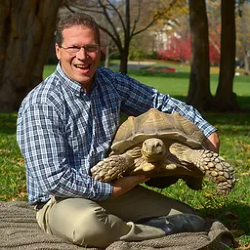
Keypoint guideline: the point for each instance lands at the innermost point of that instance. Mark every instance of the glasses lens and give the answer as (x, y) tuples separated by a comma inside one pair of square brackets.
[(72, 50), (91, 47)]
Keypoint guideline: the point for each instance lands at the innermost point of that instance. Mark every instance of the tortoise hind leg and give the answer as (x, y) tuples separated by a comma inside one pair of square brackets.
[(210, 163)]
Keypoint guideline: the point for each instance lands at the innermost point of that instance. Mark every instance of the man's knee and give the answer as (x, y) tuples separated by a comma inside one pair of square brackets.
[(93, 229)]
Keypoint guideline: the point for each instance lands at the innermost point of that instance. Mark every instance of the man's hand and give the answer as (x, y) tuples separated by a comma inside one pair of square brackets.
[(123, 185), (213, 142)]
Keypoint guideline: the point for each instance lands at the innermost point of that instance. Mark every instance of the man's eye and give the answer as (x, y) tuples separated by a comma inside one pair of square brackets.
[(73, 49), (92, 48)]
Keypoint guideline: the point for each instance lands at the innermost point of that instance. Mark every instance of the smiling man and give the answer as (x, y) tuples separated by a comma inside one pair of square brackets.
[(65, 126), (78, 50)]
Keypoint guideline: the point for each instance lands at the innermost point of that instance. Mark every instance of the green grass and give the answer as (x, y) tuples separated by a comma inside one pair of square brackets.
[(233, 210), (12, 176)]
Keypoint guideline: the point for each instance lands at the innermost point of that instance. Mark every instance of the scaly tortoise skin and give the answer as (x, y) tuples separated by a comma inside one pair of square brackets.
[(165, 147)]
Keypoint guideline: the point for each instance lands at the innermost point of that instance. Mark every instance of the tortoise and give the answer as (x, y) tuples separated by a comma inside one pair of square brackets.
[(166, 147)]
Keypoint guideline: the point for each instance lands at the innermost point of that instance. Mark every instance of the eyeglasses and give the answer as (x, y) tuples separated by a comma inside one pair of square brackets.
[(89, 48)]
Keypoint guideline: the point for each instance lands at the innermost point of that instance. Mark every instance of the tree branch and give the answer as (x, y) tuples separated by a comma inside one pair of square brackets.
[(157, 16)]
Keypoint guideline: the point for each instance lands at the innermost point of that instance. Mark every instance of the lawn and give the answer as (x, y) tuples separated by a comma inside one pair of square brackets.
[(233, 210)]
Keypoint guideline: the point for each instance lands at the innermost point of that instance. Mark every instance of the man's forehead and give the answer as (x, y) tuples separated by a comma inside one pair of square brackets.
[(74, 33)]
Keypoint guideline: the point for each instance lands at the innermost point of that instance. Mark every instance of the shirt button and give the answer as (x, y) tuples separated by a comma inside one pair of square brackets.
[(77, 95)]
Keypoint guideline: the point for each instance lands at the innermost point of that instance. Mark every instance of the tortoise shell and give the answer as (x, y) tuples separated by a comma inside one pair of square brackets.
[(156, 124)]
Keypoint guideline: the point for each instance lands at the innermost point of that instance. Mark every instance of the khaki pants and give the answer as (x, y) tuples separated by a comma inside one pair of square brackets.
[(98, 224)]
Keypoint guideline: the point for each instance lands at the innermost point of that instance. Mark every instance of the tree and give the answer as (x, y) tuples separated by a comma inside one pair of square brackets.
[(214, 25), (26, 31), (124, 19), (199, 94), (243, 35), (225, 99)]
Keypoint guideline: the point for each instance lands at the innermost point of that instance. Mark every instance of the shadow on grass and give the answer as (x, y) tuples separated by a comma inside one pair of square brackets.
[(233, 216), (243, 102), (8, 123), (159, 74), (185, 74)]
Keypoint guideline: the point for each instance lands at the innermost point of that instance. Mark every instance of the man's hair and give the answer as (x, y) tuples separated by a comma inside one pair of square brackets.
[(74, 19)]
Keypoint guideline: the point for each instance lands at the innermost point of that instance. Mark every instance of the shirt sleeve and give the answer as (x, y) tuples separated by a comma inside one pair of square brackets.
[(137, 98), (172, 105), (43, 144)]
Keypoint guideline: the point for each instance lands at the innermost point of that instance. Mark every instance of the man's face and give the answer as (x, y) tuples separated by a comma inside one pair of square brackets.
[(80, 66)]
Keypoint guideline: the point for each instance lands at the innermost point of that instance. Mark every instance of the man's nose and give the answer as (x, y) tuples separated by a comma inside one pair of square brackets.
[(81, 54)]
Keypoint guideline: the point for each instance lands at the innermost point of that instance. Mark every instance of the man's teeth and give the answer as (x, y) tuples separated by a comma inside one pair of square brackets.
[(82, 67)]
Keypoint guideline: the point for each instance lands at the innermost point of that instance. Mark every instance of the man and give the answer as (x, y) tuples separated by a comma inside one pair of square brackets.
[(65, 126)]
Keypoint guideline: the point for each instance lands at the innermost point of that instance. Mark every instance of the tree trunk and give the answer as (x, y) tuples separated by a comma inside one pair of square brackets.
[(124, 61), (127, 36), (199, 94), (26, 31), (225, 99), (246, 61), (107, 60)]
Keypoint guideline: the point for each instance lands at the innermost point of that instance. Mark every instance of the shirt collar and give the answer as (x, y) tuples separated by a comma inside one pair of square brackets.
[(72, 85), (69, 84)]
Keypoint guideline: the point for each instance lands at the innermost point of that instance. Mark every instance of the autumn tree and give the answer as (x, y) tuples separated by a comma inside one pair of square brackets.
[(243, 35), (122, 20), (26, 31), (214, 25)]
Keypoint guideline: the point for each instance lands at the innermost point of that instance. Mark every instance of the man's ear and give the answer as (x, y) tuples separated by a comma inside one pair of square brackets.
[(58, 51)]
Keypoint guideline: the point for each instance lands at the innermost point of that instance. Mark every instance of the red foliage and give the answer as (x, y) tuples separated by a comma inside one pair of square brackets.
[(214, 55), (179, 49)]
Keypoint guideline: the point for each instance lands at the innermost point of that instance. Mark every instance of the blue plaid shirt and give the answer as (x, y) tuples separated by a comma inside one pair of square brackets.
[(62, 131)]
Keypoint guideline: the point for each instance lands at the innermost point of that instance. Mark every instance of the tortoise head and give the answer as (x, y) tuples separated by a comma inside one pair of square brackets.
[(153, 150)]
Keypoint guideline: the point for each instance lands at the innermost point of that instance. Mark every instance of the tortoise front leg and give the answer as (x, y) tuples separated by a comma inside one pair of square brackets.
[(114, 166)]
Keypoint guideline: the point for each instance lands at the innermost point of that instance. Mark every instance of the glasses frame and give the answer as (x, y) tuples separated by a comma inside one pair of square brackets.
[(85, 47)]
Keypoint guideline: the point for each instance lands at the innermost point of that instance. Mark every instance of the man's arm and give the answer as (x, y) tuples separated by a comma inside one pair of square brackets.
[(125, 184), (41, 137), (213, 142), (138, 98)]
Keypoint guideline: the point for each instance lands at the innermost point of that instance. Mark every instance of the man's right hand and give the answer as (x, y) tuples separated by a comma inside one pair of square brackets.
[(123, 185)]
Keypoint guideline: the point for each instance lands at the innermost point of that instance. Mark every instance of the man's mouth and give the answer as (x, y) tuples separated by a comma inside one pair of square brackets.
[(83, 67)]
